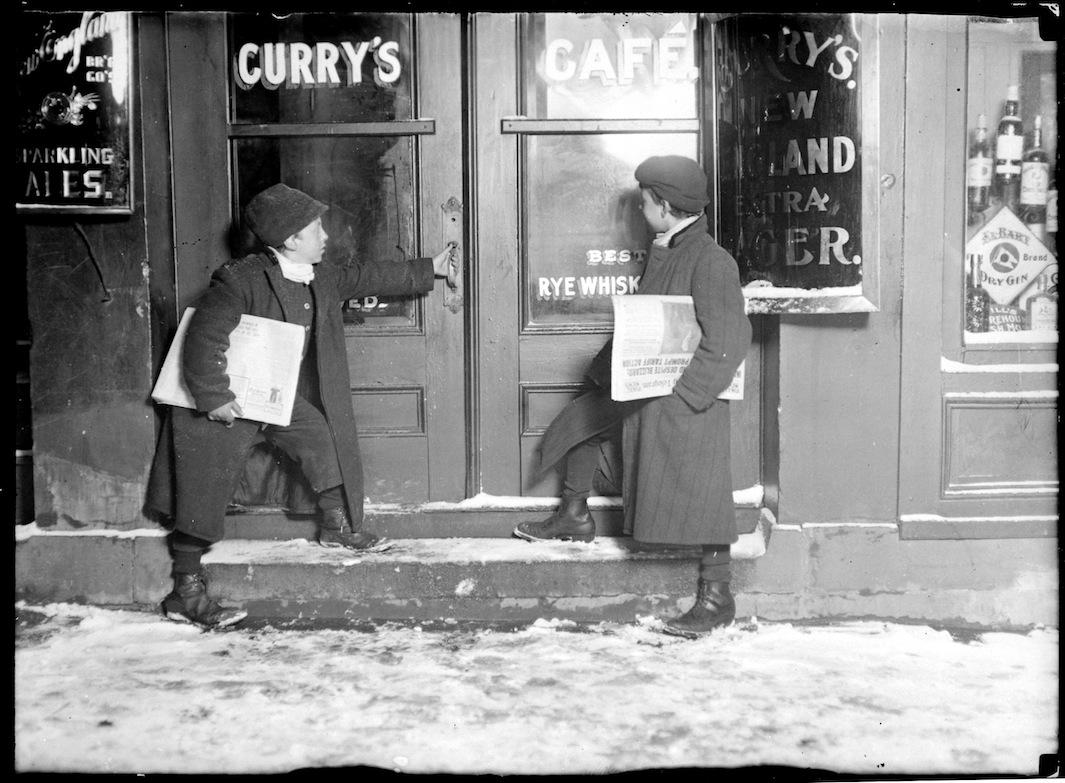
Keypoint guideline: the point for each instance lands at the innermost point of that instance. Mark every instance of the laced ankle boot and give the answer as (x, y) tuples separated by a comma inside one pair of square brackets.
[(189, 603), (335, 530), (571, 522), (714, 607)]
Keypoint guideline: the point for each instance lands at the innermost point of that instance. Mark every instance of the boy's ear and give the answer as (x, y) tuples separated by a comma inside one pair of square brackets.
[(290, 242)]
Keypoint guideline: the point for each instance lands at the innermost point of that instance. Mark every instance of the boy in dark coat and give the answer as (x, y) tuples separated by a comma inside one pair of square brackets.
[(676, 474), (201, 452)]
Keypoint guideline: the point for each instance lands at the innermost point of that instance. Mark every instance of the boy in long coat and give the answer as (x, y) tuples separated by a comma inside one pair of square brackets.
[(676, 474), (201, 452)]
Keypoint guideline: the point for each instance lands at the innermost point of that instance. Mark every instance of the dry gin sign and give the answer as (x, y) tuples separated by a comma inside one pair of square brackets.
[(72, 123), (791, 151)]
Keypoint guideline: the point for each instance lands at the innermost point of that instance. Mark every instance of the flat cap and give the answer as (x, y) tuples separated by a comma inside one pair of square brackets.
[(278, 212), (680, 181)]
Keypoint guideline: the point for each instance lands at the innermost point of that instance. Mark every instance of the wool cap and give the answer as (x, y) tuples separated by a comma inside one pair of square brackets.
[(679, 180), (278, 212)]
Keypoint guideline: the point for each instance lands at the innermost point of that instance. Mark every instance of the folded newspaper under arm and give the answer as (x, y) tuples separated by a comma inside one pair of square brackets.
[(655, 338), (262, 362)]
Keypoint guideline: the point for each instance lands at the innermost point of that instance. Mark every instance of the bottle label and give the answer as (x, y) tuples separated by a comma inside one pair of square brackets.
[(1006, 318), (1043, 312), (1034, 178), (1052, 211), (1009, 147), (978, 172)]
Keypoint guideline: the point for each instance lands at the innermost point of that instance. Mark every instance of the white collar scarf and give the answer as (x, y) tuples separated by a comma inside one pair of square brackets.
[(297, 273), (663, 238)]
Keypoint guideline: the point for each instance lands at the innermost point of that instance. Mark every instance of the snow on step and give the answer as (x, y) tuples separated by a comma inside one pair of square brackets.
[(461, 550)]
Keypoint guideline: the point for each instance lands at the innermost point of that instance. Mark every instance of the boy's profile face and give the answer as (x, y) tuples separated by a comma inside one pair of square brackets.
[(656, 215), (307, 245)]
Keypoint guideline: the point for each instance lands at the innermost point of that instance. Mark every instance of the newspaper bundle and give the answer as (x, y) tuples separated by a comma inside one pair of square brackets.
[(262, 362), (654, 340)]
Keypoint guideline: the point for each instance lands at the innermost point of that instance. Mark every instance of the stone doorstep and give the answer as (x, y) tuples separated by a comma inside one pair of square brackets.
[(133, 567), (815, 573)]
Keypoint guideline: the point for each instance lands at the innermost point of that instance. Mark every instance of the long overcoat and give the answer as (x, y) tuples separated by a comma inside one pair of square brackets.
[(198, 462), (677, 475)]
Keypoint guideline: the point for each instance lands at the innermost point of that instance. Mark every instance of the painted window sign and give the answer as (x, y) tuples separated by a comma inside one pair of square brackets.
[(72, 150), (1011, 269), (299, 64), (320, 68), (610, 66), (791, 149)]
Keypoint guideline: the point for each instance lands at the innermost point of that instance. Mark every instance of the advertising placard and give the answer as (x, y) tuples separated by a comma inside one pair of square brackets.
[(1007, 256), (790, 149), (72, 121)]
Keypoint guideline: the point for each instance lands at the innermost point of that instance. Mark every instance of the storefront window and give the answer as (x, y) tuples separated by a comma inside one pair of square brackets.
[(1011, 269), (610, 66)]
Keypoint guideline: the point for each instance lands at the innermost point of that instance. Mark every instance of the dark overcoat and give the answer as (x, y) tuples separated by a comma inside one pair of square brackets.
[(677, 475), (198, 462), (677, 479)]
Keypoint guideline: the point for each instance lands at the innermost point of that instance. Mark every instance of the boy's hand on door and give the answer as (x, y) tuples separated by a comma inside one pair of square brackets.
[(444, 263)]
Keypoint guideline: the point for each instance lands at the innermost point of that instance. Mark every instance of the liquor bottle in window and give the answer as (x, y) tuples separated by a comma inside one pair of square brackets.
[(1042, 309), (1009, 148), (977, 300), (978, 172), (1035, 171)]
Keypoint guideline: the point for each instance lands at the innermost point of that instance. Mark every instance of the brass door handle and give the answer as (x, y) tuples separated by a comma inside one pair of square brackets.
[(452, 231)]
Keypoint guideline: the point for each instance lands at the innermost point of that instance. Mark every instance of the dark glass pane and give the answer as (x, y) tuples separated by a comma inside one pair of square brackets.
[(320, 68), (790, 148), (586, 237), (367, 182), (610, 66)]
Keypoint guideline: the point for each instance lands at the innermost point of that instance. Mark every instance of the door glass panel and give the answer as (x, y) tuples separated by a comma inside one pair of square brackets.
[(367, 182), (1011, 268), (320, 68), (586, 238), (610, 66)]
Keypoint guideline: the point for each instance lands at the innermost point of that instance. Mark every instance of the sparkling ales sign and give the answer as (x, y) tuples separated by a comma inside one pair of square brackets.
[(72, 123)]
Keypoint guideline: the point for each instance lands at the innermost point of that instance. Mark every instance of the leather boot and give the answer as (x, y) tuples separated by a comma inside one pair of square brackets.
[(571, 522), (714, 607), (335, 530), (188, 603)]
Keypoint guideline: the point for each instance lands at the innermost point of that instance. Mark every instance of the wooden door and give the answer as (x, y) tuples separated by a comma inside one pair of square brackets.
[(566, 106), (362, 111)]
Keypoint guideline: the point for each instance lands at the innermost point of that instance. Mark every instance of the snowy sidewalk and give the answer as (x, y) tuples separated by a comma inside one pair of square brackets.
[(100, 690)]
